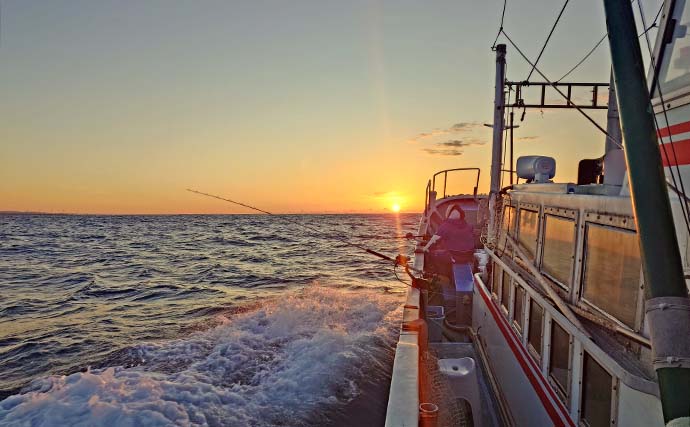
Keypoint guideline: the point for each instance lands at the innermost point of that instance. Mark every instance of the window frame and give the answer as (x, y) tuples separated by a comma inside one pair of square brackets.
[(564, 395), (537, 354), (613, 410), (677, 97), (495, 281), (518, 324), (534, 209), (510, 231), (567, 215), (505, 308), (619, 224)]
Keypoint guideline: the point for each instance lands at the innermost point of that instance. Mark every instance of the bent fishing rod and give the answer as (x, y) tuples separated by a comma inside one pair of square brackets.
[(399, 260)]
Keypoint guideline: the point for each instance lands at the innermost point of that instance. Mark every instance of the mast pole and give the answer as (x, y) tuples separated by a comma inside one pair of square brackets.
[(667, 304), (512, 162), (498, 126)]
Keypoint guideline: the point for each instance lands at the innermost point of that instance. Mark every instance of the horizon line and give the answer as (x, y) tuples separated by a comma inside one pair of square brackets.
[(385, 212)]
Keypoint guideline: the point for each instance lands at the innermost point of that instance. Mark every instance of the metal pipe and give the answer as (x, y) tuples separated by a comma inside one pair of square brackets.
[(497, 148), (428, 415), (512, 163), (667, 305)]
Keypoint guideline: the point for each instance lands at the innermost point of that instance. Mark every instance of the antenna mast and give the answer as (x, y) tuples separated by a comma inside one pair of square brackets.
[(498, 126)]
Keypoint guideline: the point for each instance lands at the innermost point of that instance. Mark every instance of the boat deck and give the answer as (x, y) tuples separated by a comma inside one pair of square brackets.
[(452, 411)]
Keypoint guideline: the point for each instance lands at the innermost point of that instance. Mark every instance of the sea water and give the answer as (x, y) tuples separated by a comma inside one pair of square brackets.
[(243, 320)]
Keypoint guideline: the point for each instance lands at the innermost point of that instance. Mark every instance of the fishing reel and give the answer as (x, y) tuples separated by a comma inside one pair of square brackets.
[(402, 260)]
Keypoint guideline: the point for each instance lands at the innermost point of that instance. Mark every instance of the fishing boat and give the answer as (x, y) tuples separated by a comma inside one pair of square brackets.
[(572, 307)]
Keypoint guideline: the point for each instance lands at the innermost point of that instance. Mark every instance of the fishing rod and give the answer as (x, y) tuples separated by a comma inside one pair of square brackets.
[(399, 260)]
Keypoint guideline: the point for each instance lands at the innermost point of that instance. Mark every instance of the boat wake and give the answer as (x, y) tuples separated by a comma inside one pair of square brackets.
[(289, 361)]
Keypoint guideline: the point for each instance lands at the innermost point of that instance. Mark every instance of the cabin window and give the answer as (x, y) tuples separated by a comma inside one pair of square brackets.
[(612, 271), (493, 286), (559, 366), (674, 73), (519, 307), (507, 225), (559, 246), (529, 226), (596, 394), (536, 321), (505, 291)]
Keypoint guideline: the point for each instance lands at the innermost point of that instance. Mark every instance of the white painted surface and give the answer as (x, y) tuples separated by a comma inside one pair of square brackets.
[(525, 406), (403, 400), (638, 409)]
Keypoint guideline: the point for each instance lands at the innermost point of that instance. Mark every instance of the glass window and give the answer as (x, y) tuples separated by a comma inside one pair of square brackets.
[(559, 367), (529, 226), (507, 225), (612, 271), (493, 286), (519, 307), (596, 394), (505, 291), (559, 246), (536, 319), (674, 73)]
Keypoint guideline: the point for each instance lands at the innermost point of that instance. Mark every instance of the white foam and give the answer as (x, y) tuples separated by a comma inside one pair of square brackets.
[(276, 365)]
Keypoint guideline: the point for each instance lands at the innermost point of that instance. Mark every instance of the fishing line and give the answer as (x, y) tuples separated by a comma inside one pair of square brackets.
[(400, 260), (397, 261)]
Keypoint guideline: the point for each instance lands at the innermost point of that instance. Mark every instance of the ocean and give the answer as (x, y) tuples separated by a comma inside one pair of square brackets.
[(219, 320)]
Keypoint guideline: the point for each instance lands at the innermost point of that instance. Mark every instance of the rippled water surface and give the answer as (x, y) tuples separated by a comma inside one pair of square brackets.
[(196, 320)]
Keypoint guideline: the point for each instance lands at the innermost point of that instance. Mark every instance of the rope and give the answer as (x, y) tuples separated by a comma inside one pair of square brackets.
[(553, 27)]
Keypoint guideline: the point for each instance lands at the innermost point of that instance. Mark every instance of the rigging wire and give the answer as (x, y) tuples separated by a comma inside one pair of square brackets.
[(591, 51), (543, 76), (597, 44), (672, 165), (553, 27), (500, 27)]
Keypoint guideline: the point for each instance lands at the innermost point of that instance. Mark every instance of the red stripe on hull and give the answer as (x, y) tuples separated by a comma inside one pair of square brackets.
[(674, 129), (675, 153), (557, 412)]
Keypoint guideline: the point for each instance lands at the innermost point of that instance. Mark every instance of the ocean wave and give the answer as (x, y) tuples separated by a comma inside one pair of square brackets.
[(281, 363)]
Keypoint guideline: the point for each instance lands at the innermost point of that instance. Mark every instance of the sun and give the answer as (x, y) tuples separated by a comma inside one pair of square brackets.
[(395, 207)]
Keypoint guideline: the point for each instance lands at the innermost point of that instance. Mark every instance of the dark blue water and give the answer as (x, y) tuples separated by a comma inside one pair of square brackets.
[(194, 320)]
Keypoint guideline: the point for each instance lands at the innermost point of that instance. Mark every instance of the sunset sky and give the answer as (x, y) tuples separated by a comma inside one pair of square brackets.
[(293, 106)]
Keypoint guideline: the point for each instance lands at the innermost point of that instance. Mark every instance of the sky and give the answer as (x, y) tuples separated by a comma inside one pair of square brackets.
[(117, 107)]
